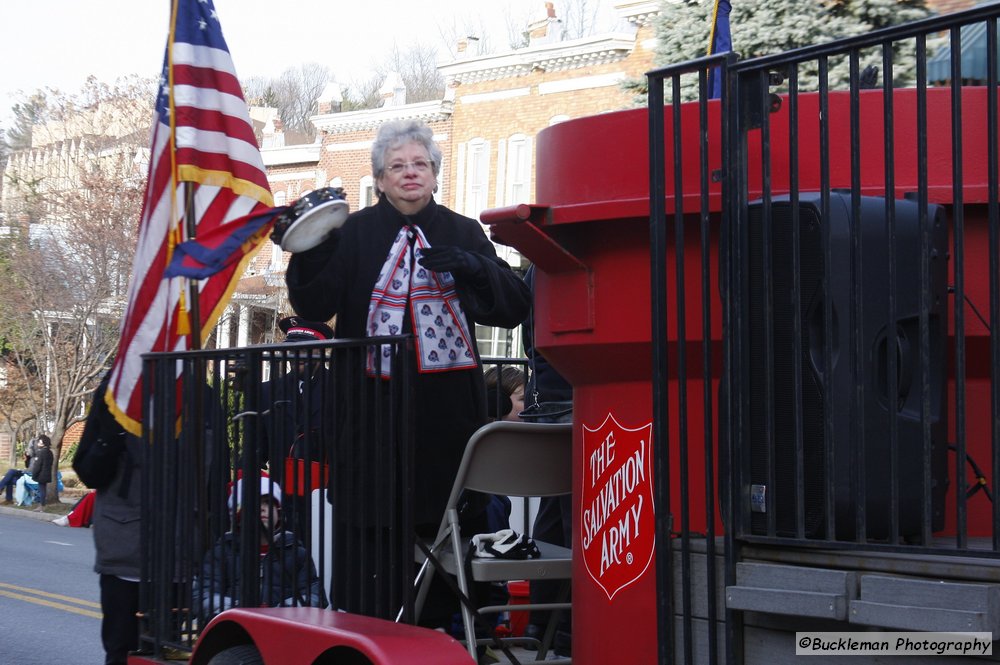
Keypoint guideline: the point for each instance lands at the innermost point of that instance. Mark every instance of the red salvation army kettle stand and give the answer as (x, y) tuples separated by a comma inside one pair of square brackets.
[(590, 246), (588, 237)]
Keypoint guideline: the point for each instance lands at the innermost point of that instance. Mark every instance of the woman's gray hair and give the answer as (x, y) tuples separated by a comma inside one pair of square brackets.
[(395, 133)]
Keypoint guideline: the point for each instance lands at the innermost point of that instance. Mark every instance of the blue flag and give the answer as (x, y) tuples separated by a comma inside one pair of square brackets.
[(221, 247), (721, 41)]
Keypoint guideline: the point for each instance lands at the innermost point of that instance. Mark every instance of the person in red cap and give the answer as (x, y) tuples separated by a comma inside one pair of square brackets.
[(293, 426), (298, 329)]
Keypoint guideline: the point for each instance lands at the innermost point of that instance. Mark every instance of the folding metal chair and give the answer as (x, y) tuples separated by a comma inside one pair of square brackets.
[(513, 459)]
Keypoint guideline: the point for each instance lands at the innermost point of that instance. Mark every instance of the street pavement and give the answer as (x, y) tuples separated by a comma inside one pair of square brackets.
[(49, 596)]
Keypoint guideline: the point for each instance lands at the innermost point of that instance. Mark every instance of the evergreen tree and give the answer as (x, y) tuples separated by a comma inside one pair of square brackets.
[(27, 114), (882, 13), (763, 28)]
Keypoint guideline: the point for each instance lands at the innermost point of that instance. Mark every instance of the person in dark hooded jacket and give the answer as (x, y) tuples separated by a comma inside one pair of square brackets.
[(41, 469)]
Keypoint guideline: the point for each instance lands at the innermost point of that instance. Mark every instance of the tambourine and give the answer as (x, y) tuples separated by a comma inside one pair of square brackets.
[(310, 219)]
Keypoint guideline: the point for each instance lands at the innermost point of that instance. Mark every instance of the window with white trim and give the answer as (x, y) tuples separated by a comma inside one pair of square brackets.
[(367, 189), (518, 170), (477, 177), (499, 342)]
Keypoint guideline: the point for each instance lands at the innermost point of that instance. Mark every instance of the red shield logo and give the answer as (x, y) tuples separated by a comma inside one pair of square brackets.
[(617, 524)]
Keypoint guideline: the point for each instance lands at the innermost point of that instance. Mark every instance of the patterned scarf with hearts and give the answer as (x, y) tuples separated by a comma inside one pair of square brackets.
[(443, 339)]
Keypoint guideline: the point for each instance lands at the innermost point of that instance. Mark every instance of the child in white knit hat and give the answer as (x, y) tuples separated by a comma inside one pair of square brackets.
[(287, 576)]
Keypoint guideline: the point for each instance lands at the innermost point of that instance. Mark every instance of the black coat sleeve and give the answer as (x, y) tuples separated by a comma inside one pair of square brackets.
[(502, 299), (316, 279)]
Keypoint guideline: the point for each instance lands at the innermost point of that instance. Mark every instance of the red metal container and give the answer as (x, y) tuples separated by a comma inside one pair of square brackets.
[(589, 239)]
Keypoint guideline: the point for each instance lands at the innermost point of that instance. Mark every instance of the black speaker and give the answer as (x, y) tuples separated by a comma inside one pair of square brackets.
[(856, 445)]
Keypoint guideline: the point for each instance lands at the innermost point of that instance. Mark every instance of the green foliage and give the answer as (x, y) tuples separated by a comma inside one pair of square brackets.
[(27, 114), (235, 403), (260, 92), (66, 455)]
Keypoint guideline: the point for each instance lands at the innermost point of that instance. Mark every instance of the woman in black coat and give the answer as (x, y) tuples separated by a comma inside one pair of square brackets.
[(365, 273)]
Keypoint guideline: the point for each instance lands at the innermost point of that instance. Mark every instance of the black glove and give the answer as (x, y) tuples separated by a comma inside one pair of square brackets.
[(455, 260)]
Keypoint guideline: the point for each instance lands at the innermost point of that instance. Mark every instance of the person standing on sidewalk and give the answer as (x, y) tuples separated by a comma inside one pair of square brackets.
[(116, 541), (41, 469)]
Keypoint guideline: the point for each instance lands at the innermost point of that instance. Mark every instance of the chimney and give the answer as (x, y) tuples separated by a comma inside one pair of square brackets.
[(462, 45), (545, 30), (330, 99), (393, 90)]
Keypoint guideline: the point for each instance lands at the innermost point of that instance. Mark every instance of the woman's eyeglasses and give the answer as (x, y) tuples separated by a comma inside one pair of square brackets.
[(420, 166)]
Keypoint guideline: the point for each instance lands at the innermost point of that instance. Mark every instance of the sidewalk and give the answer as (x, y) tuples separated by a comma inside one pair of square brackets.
[(52, 510)]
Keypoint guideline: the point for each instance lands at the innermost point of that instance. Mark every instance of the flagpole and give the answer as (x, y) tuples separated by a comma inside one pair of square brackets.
[(711, 31), (201, 375), (191, 228)]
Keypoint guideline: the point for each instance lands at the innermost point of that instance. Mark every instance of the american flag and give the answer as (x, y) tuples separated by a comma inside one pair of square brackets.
[(203, 144)]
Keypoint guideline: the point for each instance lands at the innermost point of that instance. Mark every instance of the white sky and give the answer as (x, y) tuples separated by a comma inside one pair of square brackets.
[(58, 43)]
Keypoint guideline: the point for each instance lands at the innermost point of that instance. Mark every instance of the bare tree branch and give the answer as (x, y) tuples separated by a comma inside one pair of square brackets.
[(297, 90), (416, 64), (76, 195)]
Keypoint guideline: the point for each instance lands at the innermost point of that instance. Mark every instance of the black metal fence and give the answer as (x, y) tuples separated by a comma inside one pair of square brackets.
[(849, 350), (233, 434)]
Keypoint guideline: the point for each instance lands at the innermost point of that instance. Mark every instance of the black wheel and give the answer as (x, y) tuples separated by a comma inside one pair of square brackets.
[(244, 654)]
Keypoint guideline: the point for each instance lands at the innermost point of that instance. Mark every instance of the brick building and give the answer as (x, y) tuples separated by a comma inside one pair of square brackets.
[(949, 6), (501, 102)]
